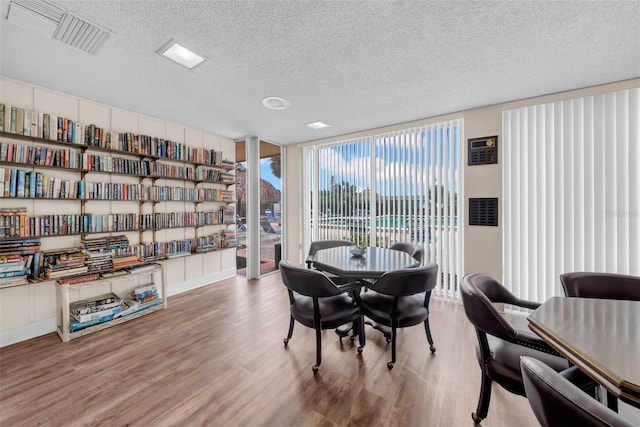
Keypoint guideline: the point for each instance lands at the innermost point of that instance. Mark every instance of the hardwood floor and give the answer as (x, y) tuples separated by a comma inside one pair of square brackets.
[(215, 357)]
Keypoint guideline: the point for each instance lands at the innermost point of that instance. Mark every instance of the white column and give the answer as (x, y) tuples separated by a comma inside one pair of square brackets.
[(252, 189)]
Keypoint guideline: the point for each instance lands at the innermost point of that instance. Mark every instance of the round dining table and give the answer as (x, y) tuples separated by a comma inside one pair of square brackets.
[(362, 269), (371, 265)]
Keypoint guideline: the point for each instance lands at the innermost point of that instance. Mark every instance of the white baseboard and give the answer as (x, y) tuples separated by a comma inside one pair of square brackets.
[(26, 332), (178, 288), (43, 327)]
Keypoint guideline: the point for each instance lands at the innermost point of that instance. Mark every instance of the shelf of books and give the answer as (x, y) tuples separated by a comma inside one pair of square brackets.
[(125, 294), (32, 142)]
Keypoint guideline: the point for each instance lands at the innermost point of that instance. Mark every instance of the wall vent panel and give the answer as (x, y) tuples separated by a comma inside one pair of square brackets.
[(483, 211)]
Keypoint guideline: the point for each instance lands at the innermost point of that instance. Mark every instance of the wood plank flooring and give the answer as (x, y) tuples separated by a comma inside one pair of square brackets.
[(215, 357)]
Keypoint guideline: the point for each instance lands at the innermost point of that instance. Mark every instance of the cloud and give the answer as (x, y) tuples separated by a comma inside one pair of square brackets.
[(355, 168), (400, 176)]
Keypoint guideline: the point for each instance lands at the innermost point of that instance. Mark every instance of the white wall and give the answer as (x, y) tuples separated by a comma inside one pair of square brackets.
[(30, 310)]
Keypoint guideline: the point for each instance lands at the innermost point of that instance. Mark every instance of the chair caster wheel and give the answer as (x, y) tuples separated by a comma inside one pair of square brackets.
[(388, 339), (285, 341), (352, 338), (315, 368), (390, 365), (432, 348), (360, 349), (476, 418)]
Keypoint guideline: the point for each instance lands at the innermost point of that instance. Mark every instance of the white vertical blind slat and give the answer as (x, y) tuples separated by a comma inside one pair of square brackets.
[(588, 182), (611, 179), (622, 184), (634, 179), (579, 147)]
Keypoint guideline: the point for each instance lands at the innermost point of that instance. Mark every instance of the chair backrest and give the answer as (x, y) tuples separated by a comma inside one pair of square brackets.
[(408, 281), (557, 402), (601, 285), (479, 292), (413, 249), (312, 283), (325, 244)]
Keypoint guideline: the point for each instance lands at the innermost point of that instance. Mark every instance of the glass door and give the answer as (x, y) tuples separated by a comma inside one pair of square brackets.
[(270, 207), (269, 210)]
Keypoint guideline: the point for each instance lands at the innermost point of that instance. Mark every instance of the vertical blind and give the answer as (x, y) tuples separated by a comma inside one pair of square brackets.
[(571, 191), (386, 188)]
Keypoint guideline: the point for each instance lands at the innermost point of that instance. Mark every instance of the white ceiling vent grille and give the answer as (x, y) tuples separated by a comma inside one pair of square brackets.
[(41, 8), (80, 34), (49, 19)]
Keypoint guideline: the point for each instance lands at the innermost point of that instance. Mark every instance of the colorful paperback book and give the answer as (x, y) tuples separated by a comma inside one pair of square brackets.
[(145, 289), (97, 315), (74, 325), (21, 183), (135, 307), (13, 183), (6, 274), (95, 304)]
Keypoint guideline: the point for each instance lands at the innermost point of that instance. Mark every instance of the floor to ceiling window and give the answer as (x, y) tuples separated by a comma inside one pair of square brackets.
[(386, 188), (267, 236), (270, 207)]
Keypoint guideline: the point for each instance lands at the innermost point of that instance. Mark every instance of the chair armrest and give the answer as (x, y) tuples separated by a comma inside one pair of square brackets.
[(526, 304), (351, 286), (531, 340)]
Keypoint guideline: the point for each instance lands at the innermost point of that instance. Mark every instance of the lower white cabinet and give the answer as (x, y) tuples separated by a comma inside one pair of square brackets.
[(145, 279)]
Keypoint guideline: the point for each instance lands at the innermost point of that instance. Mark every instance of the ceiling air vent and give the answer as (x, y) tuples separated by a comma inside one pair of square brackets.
[(35, 15), (51, 20), (483, 211), (80, 34)]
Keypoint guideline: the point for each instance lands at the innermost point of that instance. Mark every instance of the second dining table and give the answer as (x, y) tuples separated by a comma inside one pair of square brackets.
[(599, 336)]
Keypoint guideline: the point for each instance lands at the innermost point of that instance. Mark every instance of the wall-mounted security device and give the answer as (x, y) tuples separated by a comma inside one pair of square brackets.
[(483, 151), (483, 211)]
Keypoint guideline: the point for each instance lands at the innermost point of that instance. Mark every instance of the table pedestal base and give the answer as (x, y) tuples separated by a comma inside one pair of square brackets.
[(343, 331)]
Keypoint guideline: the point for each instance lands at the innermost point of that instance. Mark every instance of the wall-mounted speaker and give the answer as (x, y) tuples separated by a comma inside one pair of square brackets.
[(482, 151)]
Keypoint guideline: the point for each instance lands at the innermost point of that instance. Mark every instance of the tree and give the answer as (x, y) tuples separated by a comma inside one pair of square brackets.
[(275, 166)]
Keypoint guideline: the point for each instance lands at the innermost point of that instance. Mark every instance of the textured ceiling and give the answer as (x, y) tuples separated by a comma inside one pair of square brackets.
[(355, 65)]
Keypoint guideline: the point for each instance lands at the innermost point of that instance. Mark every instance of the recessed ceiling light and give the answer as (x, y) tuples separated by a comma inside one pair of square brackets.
[(275, 103), (180, 54), (317, 125)]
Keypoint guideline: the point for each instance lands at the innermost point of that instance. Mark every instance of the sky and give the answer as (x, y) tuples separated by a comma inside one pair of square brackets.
[(265, 173)]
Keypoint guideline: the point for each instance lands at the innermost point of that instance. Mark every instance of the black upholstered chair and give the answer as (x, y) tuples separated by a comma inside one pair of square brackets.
[(413, 249), (328, 244), (601, 285), (316, 302), (556, 402), (400, 299), (500, 345), (324, 244)]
